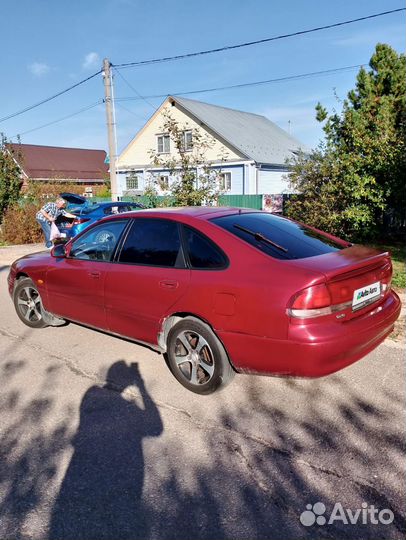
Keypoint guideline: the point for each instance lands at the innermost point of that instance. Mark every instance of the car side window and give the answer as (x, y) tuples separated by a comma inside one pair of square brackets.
[(202, 252), (153, 242), (99, 243)]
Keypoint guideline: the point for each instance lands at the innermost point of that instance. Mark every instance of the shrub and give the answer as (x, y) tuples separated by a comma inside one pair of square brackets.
[(20, 226)]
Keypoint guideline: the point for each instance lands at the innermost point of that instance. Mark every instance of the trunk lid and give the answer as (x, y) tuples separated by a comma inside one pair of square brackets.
[(74, 198), (356, 277)]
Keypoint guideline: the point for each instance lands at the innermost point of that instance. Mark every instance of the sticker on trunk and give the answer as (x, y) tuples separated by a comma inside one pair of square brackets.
[(365, 295)]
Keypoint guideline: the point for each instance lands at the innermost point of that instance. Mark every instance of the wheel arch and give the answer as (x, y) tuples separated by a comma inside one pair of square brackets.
[(20, 275), (170, 321)]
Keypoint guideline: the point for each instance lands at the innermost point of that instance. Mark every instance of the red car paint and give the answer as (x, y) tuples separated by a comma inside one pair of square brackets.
[(248, 304)]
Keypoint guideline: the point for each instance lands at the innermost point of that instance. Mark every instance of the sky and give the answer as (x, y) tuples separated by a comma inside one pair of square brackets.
[(48, 46)]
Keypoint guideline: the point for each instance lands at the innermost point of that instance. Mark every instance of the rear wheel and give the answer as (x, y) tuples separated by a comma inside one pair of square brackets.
[(197, 358)]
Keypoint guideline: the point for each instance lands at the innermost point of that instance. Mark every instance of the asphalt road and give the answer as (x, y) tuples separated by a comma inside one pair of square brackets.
[(93, 447)]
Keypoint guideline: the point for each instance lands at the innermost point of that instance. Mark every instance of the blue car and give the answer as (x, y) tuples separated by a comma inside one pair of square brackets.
[(88, 212)]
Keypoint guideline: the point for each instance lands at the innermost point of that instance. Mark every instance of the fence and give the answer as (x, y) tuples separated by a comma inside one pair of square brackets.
[(240, 201)]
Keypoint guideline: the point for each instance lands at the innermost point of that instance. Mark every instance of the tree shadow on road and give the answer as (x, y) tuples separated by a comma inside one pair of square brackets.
[(100, 496), (252, 469)]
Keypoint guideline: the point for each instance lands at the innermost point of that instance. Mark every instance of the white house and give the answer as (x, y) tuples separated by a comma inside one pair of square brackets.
[(256, 148)]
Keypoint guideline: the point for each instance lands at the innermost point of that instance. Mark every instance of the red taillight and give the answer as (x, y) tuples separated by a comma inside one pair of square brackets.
[(77, 221), (316, 301), (315, 297)]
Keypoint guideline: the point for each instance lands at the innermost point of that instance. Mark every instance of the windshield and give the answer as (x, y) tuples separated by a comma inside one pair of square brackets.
[(277, 236)]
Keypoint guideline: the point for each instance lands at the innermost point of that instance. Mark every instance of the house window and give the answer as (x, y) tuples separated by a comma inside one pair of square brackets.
[(225, 181), (163, 145), (187, 140), (132, 181), (163, 182)]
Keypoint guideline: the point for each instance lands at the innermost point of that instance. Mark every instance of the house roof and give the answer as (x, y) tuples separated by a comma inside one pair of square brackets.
[(60, 163), (252, 134)]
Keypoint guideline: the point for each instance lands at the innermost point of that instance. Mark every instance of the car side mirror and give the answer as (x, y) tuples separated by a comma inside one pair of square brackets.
[(58, 251)]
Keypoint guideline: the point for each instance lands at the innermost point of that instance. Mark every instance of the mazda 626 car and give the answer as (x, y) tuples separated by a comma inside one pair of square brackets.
[(219, 290)]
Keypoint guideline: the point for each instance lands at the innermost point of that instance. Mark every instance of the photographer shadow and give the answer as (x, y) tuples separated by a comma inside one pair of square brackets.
[(100, 496)]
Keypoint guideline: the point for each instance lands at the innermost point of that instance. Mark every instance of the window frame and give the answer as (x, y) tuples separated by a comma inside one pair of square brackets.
[(132, 177), (164, 137), (187, 147), (223, 181)]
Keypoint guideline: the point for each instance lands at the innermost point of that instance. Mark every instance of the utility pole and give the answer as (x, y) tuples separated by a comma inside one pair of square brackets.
[(108, 83)]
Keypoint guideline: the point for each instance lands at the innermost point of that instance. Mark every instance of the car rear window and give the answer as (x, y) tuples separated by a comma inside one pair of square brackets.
[(90, 208), (277, 236)]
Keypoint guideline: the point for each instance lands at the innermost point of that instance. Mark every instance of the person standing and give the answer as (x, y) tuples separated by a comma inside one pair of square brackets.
[(48, 215)]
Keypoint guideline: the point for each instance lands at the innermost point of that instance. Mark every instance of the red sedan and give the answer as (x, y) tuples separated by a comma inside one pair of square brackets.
[(219, 290)]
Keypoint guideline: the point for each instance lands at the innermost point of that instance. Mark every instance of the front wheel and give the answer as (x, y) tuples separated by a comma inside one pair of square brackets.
[(27, 303), (197, 358)]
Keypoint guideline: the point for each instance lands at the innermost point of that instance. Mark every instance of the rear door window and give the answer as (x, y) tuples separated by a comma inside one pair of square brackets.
[(277, 236), (153, 242)]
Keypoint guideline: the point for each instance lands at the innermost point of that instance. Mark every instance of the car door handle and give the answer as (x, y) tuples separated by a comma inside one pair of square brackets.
[(168, 284), (94, 275)]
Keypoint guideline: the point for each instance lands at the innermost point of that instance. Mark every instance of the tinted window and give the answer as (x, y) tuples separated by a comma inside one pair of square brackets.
[(293, 241), (99, 243), (154, 242), (202, 252)]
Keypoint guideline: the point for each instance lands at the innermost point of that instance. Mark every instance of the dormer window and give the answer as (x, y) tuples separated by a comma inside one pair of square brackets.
[(163, 144)]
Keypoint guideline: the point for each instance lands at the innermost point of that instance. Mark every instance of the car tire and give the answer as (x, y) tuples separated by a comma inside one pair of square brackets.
[(28, 304), (197, 357)]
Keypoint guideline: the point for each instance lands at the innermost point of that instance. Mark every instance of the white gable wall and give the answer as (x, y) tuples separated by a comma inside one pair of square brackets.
[(137, 152)]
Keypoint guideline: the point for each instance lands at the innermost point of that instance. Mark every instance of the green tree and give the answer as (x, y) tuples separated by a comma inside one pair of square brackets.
[(356, 176), (194, 181), (10, 177)]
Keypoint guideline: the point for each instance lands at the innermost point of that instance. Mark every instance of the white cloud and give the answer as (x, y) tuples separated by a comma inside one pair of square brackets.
[(38, 68), (92, 60)]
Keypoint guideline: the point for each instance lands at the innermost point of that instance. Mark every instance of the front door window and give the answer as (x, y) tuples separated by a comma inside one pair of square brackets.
[(99, 243)]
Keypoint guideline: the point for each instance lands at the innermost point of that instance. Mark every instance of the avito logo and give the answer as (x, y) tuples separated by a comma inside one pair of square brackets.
[(365, 514), (367, 292)]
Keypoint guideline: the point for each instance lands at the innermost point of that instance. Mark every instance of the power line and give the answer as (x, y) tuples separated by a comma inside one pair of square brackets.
[(133, 89), (29, 108), (242, 85), (144, 118), (60, 119), (249, 43)]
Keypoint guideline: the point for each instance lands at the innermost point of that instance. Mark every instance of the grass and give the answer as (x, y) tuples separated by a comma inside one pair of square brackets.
[(398, 253)]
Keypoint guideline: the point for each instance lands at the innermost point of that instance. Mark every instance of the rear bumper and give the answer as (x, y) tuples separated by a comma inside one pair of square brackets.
[(307, 354)]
